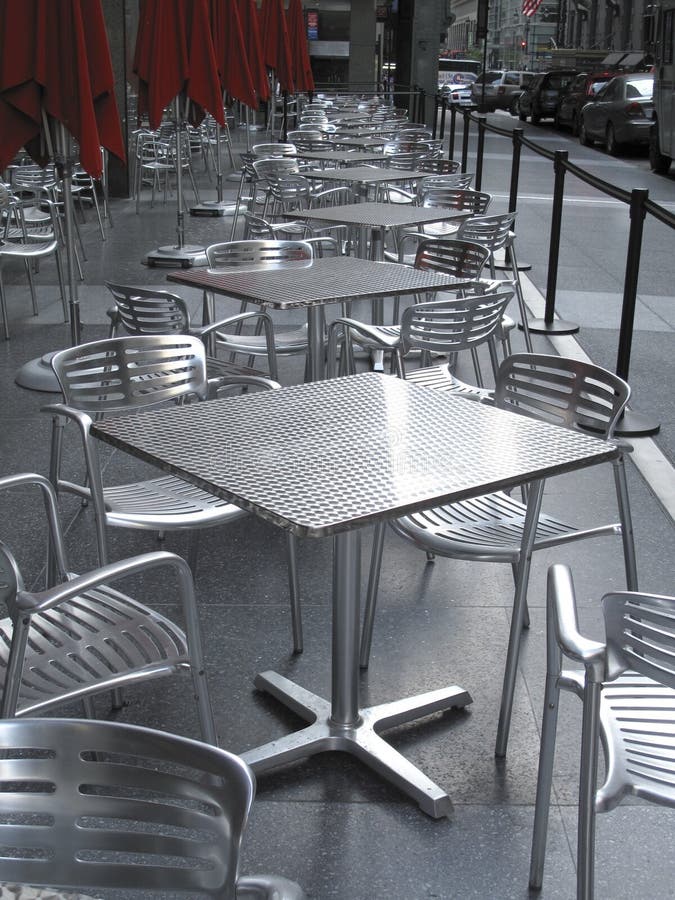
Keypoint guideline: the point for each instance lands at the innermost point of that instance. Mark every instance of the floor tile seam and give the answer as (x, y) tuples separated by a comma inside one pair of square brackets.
[(647, 457)]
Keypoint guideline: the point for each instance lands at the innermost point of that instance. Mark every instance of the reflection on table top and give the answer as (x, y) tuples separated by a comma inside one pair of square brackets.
[(379, 215), (364, 174), (330, 279), (330, 456)]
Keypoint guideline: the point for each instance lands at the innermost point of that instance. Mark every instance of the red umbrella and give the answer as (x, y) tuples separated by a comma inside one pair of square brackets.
[(277, 46), (302, 68), (232, 52), (174, 55), (55, 63), (248, 16)]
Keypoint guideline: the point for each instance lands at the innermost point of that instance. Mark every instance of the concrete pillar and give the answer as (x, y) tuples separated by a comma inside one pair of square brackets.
[(362, 62), (420, 23)]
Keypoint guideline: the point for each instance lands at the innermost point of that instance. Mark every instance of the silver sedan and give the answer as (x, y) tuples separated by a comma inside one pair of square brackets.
[(620, 114)]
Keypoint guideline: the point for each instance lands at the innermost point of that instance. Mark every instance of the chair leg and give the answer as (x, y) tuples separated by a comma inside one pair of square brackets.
[(294, 590), (587, 787), (549, 727), (626, 523), (518, 615), (31, 284), (193, 550), (3, 309), (521, 300), (371, 595)]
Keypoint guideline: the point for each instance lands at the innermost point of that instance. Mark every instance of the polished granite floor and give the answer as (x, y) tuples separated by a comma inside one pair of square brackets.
[(329, 823)]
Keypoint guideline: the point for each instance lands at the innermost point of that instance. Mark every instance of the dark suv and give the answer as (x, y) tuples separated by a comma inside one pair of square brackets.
[(540, 97), (581, 90)]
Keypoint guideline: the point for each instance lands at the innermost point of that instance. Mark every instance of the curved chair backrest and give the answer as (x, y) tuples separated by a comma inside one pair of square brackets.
[(34, 178), (306, 135), (147, 311), (126, 372), (120, 806), (491, 231), (463, 259), (267, 254), (448, 326), (413, 132), (440, 166), (640, 636), (271, 168), (461, 180), (561, 391), (267, 151), (476, 202)]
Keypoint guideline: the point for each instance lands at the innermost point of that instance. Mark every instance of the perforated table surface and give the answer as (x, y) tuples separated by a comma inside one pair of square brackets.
[(335, 455), (380, 215), (327, 458), (312, 285)]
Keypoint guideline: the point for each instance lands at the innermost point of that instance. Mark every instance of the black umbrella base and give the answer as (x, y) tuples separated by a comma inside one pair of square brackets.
[(38, 375), (213, 208), (175, 257)]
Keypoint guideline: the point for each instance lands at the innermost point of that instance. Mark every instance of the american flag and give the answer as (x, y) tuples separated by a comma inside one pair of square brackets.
[(530, 7)]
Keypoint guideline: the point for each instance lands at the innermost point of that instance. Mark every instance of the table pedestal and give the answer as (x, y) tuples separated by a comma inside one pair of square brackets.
[(340, 724)]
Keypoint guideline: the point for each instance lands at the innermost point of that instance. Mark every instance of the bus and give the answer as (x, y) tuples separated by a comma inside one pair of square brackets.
[(662, 135), (452, 71)]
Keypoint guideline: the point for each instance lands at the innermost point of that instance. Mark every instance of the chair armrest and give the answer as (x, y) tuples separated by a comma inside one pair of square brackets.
[(201, 331), (83, 419), (29, 603), (562, 605), (372, 332), (227, 381)]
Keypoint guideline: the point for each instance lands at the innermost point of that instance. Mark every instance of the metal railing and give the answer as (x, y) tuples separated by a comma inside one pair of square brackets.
[(637, 203)]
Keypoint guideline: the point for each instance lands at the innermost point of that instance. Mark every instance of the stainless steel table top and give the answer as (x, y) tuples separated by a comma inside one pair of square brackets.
[(379, 215), (332, 456), (364, 174), (343, 156), (326, 280), (363, 142)]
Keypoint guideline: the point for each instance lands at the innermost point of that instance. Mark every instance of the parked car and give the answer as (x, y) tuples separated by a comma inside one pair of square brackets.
[(499, 88), (457, 89), (620, 114), (540, 97), (583, 89)]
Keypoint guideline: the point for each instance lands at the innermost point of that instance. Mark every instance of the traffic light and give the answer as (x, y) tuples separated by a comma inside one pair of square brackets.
[(523, 44)]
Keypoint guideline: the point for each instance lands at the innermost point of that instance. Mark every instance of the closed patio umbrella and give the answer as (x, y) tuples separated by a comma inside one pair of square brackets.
[(248, 16), (175, 60), (56, 83), (302, 68), (276, 43)]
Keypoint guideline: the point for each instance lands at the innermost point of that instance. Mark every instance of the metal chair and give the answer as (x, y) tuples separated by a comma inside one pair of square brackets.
[(121, 376), (17, 242), (439, 166), (496, 233), (492, 528), (146, 311), (81, 636), (102, 805), (627, 688), (267, 255), (439, 327)]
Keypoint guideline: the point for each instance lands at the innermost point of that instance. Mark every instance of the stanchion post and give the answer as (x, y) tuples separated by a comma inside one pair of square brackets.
[(422, 107), (549, 325), (444, 109), (517, 138), (632, 423), (453, 128), (479, 151), (465, 140)]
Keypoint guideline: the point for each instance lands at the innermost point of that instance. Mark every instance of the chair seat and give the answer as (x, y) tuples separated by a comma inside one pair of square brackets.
[(166, 503), (637, 715), (442, 379), (489, 527), (293, 341), (77, 635), (33, 248)]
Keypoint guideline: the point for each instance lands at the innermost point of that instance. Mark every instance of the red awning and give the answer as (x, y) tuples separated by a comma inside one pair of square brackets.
[(297, 33), (174, 55), (248, 16), (232, 52), (277, 46), (56, 61)]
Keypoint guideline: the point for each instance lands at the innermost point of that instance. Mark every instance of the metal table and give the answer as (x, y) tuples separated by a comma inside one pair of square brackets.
[(327, 458), (325, 280), (359, 177), (379, 216), (343, 157)]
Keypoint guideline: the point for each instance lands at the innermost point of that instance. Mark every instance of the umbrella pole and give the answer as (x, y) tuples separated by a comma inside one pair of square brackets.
[(180, 215), (181, 254), (215, 207), (64, 166)]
